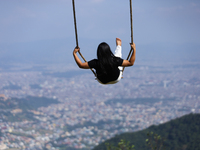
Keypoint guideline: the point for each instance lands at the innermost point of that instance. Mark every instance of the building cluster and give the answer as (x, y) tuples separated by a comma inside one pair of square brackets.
[(85, 117)]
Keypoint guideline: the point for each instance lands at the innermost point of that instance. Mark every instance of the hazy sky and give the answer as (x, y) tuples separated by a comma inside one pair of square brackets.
[(155, 21)]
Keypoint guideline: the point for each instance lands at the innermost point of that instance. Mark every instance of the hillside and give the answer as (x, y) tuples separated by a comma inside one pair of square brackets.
[(19, 109), (180, 134)]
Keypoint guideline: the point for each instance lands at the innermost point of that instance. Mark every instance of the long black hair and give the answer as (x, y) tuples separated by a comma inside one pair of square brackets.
[(105, 57)]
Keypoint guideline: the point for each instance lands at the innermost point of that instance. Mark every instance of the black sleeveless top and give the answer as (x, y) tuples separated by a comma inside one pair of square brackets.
[(111, 75)]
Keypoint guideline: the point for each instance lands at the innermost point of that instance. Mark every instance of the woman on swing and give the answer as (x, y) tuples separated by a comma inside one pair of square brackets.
[(108, 66)]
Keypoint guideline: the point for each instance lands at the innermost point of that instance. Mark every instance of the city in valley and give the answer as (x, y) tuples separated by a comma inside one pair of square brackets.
[(87, 113)]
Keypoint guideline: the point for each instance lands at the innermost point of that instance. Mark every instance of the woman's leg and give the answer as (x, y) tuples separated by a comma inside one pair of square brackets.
[(118, 53)]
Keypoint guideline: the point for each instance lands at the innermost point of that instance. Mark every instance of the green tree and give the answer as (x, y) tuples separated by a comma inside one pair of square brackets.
[(122, 145), (154, 141)]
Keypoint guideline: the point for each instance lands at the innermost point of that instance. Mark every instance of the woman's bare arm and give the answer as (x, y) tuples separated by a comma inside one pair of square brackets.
[(127, 63), (78, 61)]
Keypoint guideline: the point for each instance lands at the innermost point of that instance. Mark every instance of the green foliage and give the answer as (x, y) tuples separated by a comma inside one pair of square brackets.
[(122, 145), (181, 133), (154, 141)]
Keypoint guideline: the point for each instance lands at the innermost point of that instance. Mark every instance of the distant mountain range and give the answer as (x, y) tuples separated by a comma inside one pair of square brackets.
[(60, 51), (180, 134)]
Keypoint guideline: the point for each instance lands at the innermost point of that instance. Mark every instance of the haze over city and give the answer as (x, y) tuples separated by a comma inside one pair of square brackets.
[(43, 31), (46, 101)]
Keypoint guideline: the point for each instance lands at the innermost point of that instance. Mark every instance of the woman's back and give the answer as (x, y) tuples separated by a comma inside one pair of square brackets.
[(109, 73), (108, 65)]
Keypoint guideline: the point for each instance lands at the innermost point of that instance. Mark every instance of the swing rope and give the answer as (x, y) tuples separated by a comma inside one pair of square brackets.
[(74, 12), (131, 20)]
